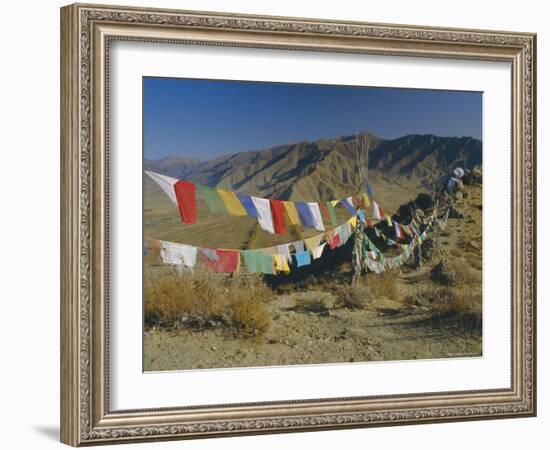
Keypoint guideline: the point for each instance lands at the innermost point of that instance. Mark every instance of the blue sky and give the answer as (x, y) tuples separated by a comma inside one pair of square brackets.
[(206, 118)]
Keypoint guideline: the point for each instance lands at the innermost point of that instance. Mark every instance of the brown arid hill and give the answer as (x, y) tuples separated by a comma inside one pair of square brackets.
[(326, 169)]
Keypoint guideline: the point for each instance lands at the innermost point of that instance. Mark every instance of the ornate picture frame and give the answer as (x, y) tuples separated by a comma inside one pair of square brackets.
[(87, 32)]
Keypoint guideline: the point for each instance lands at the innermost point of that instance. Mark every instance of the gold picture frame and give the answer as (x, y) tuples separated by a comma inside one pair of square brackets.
[(86, 33)]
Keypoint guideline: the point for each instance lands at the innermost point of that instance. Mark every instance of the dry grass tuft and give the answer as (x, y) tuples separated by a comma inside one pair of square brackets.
[(205, 300), (451, 306), (382, 285), (353, 297)]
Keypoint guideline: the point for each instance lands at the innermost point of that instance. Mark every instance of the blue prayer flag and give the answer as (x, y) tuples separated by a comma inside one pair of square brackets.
[(303, 259), (369, 190), (246, 201), (305, 214)]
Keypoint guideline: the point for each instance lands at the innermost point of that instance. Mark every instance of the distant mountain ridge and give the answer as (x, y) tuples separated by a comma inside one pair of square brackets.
[(326, 169)]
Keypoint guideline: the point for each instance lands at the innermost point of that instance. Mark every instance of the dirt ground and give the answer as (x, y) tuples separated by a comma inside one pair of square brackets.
[(385, 329)]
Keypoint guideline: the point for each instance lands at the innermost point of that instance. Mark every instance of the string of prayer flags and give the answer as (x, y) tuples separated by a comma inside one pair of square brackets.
[(248, 204), (302, 259), (228, 261), (213, 199), (265, 219), (278, 214), (232, 203)]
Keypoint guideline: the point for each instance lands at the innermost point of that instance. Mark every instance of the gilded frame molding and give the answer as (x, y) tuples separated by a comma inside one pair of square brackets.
[(86, 31)]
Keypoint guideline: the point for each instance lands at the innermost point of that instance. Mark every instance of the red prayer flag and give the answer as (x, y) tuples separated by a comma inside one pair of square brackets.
[(278, 213), (228, 261), (358, 202), (382, 213), (187, 200), (334, 242), (324, 212)]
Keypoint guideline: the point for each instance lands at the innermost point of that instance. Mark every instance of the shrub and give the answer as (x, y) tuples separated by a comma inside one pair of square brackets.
[(353, 297), (462, 308), (314, 302), (382, 285), (202, 299)]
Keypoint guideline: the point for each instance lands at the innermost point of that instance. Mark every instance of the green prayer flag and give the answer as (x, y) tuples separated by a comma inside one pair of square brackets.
[(252, 260), (266, 263), (331, 213), (213, 199)]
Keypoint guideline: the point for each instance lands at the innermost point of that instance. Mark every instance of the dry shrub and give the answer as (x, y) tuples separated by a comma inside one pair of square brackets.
[(382, 285), (353, 297), (248, 315), (463, 274), (314, 302), (463, 308), (202, 299)]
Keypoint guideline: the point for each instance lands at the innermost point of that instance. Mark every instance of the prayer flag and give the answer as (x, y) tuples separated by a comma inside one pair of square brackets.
[(365, 199), (313, 242), (306, 218), (324, 212), (388, 220), (398, 232), (213, 199), (361, 215), (278, 214), (264, 214), (316, 214), (187, 200), (281, 264), (284, 250), (166, 183), (178, 254), (232, 203), (247, 203), (303, 259), (335, 242), (369, 190), (332, 212), (357, 202), (228, 261), (298, 246), (291, 213), (257, 261), (318, 251), (376, 211), (349, 205), (353, 221)]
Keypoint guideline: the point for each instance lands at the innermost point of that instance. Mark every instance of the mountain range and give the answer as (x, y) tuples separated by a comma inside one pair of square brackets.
[(326, 169)]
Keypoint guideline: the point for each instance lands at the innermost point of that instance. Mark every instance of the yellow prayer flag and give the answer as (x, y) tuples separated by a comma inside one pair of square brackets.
[(281, 264), (388, 220), (353, 221), (334, 202), (291, 213), (232, 203), (366, 201)]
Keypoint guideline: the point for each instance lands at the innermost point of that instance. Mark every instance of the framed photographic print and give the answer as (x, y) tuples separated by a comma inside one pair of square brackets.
[(276, 224)]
